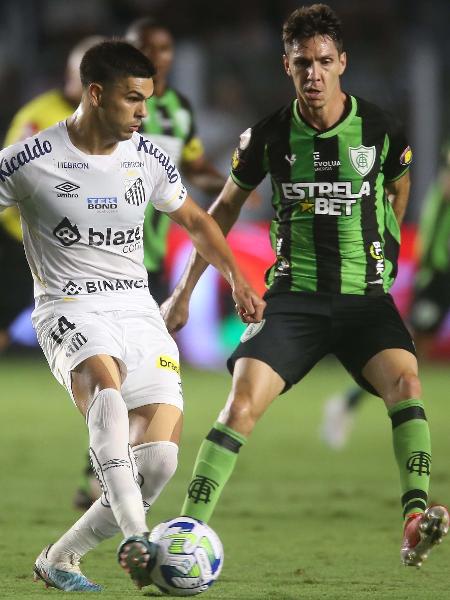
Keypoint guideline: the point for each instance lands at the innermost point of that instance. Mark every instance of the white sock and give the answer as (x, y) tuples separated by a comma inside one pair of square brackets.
[(156, 463)]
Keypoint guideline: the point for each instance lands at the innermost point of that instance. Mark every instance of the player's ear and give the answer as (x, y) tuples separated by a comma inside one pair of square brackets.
[(286, 65), (95, 93), (342, 62)]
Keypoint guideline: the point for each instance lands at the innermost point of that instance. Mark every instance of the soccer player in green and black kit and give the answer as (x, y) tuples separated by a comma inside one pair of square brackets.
[(333, 160), (171, 124), (430, 304)]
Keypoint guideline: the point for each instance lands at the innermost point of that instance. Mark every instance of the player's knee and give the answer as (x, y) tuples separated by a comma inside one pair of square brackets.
[(409, 386), (241, 414), (106, 410), (156, 463)]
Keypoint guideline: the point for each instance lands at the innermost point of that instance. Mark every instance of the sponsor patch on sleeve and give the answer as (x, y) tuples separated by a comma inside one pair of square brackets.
[(244, 138), (406, 156), (235, 159)]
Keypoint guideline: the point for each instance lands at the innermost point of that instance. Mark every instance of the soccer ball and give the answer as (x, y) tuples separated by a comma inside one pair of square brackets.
[(189, 557)]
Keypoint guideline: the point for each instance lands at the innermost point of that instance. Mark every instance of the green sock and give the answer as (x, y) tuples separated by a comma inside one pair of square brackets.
[(412, 448), (215, 463)]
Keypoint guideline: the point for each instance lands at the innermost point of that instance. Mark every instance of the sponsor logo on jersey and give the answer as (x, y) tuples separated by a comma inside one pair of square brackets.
[(65, 190), (115, 285), (376, 252), (9, 165), (162, 158), (252, 330), (131, 164), (102, 204), (130, 239), (324, 165), (406, 157), (72, 165), (104, 285), (66, 233), (135, 195), (362, 158), (71, 288), (291, 159), (282, 265), (167, 363), (235, 159), (76, 342), (325, 198)]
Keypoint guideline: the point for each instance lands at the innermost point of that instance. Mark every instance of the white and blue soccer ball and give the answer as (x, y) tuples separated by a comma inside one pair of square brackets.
[(189, 558)]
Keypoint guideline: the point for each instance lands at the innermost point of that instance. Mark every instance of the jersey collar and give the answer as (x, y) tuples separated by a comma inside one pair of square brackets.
[(349, 113)]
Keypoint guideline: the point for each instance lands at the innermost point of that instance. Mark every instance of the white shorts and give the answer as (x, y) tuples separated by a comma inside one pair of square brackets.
[(145, 351)]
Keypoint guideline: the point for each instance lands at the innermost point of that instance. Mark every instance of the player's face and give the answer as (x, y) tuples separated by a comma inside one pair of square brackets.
[(123, 106), (157, 45), (315, 67)]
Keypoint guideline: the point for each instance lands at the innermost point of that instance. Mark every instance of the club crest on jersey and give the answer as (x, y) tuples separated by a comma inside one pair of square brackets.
[(362, 158), (135, 195)]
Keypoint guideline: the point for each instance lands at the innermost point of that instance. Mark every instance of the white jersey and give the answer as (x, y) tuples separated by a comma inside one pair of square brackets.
[(82, 217)]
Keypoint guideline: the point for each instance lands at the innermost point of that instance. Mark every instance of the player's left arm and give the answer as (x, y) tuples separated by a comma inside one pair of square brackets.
[(398, 194), (210, 243)]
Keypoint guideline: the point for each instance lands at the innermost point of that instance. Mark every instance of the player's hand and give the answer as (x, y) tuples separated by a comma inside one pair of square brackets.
[(175, 311), (249, 305)]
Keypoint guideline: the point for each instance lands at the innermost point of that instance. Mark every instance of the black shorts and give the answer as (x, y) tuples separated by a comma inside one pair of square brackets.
[(299, 329), (431, 304)]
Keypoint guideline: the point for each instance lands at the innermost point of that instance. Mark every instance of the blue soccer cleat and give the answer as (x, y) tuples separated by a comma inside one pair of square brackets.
[(137, 555), (63, 576)]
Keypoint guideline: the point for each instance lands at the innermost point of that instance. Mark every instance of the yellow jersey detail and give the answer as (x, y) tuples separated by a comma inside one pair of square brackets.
[(168, 363), (192, 150)]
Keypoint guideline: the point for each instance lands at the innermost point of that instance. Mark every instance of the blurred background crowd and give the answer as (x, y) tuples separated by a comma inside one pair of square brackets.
[(228, 63)]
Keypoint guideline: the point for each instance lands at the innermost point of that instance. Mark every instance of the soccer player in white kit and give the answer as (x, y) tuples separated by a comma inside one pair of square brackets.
[(82, 187)]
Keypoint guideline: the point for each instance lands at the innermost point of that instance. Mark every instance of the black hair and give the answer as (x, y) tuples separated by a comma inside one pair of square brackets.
[(112, 60), (307, 21), (137, 27)]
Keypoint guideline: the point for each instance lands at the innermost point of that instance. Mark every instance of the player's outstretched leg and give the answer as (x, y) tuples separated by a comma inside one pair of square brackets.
[(137, 554), (65, 576), (422, 532), (88, 490), (338, 417)]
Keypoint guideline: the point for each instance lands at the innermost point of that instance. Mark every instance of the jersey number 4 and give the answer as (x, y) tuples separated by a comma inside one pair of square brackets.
[(59, 331)]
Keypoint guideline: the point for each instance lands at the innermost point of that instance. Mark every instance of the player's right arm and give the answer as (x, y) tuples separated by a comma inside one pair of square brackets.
[(225, 211)]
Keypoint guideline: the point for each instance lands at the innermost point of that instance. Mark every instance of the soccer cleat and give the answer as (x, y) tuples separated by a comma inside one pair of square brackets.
[(63, 576), (137, 554), (337, 422), (422, 532)]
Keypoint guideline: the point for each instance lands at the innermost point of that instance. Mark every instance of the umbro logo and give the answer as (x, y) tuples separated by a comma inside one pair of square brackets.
[(66, 188), (291, 159)]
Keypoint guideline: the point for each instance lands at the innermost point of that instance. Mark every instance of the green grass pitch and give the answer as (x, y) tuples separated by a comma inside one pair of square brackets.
[(297, 520)]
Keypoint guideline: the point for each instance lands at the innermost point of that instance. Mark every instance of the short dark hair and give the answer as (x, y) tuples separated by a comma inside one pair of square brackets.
[(112, 60), (137, 28), (307, 21)]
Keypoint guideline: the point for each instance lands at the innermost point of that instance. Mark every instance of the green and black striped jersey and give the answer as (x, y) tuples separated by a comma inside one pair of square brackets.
[(334, 229), (171, 125)]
